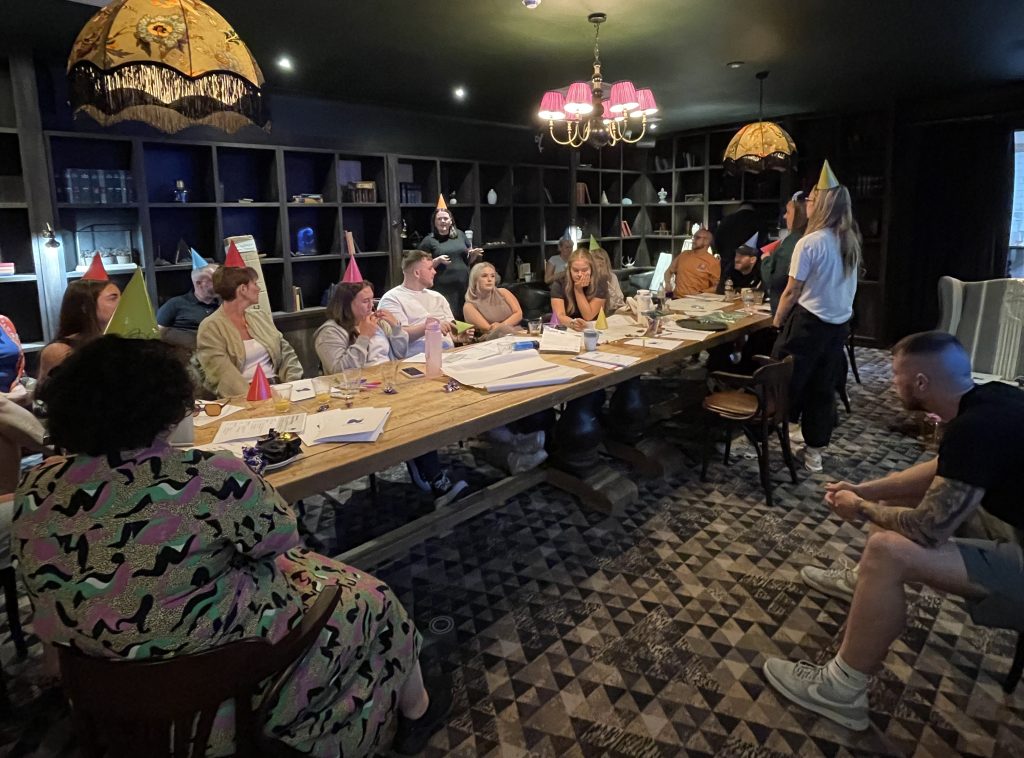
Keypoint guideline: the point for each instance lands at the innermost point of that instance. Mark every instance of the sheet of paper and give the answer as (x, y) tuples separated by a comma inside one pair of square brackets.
[(664, 259), (350, 425), (601, 358), (557, 341), (234, 448), (695, 305), (524, 368), (657, 344), (204, 420), (302, 389), (675, 332), (251, 428), (621, 320), (556, 374)]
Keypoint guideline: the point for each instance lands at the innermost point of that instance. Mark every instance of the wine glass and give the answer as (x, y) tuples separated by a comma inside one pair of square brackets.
[(349, 381)]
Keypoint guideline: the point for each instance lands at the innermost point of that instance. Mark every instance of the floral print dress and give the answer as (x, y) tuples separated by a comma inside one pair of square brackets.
[(164, 552)]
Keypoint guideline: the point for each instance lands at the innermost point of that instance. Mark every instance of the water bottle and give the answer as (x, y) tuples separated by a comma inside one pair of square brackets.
[(432, 347), (659, 297), (730, 293)]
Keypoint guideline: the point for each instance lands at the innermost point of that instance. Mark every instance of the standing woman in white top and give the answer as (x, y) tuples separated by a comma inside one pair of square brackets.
[(355, 335), (815, 309)]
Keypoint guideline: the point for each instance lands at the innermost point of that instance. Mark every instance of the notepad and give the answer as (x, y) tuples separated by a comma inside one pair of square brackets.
[(657, 344), (351, 425), (557, 341), (251, 428), (606, 360)]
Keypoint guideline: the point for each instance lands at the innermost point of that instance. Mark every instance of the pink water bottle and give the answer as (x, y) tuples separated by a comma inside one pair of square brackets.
[(432, 347)]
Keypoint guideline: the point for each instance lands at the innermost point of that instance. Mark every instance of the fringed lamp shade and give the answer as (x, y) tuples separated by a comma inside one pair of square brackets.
[(757, 147), (169, 63)]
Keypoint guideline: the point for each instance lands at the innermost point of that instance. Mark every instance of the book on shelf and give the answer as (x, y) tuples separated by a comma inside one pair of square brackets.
[(297, 297), (582, 193), (626, 230)]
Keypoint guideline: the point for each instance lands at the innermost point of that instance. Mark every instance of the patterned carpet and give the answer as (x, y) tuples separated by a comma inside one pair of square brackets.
[(568, 633)]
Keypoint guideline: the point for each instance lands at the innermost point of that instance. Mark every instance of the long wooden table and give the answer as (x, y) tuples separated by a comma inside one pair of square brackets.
[(424, 417)]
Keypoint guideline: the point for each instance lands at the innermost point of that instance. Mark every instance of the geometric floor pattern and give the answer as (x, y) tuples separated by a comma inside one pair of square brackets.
[(568, 633)]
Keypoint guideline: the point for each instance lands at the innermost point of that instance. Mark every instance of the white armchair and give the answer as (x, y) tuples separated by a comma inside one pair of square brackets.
[(988, 318)]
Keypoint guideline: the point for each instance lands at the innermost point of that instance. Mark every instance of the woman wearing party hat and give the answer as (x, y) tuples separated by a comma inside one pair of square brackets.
[(453, 256), (815, 310)]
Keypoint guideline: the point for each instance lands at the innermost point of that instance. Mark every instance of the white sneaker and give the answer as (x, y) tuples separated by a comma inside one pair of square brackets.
[(528, 443), (834, 582), (519, 463), (796, 437), (809, 686), (812, 459)]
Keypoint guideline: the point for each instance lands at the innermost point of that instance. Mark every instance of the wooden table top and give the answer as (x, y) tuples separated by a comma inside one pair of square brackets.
[(424, 417)]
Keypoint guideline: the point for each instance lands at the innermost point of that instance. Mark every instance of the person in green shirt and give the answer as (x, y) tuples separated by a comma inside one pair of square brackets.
[(452, 258), (775, 268)]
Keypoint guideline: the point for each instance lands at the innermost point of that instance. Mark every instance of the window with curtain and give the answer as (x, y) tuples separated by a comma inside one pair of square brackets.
[(1015, 260)]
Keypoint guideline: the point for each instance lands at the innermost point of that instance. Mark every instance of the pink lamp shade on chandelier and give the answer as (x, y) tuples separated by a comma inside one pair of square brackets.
[(607, 115), (552, 106), (580, 98), (623, 97), (647, 105)]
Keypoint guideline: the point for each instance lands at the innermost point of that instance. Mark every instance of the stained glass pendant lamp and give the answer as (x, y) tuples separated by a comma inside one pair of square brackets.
[(761, 146), (169, 63)]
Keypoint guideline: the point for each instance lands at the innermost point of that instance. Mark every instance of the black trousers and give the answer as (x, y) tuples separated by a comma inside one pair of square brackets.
[(818, 360)]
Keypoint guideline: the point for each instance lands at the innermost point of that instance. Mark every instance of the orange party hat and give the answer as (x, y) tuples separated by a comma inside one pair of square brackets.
[(96, 270), (233, 259), (441, 204), (259, 387)]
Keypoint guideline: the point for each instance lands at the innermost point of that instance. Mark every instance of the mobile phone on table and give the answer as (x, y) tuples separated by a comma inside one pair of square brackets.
[(411, 371)]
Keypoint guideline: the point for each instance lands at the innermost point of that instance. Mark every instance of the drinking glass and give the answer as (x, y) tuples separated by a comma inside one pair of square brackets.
[(389, 377), (748, 298), (534, 325), (281, 395), (348, 384), (322, 389)]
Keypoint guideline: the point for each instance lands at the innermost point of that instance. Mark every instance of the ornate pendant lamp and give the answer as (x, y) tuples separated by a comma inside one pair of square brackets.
[(590, 112), (761, 146), (169, 63)]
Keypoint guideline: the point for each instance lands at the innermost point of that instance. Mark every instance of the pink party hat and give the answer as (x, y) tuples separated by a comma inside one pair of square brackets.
[(259, 387)]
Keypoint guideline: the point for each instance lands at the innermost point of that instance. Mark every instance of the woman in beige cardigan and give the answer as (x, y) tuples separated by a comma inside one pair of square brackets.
[(232, 340)]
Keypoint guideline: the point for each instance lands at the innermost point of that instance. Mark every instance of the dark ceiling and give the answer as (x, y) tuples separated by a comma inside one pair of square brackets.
[(823, 54)]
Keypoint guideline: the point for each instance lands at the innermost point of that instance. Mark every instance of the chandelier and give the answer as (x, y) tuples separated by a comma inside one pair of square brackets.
[(169, 63), (761, 146), (591, 112)]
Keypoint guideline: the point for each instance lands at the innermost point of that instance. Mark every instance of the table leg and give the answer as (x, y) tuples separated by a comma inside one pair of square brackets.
[(627, 420), (576, 464)]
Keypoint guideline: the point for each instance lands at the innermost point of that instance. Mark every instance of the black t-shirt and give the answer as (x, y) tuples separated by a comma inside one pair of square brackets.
[(984, 446), (741, 281), (597, 289)]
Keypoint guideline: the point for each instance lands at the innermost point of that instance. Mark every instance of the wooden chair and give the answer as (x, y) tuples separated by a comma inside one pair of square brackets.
[(760, 404), (133, 708)]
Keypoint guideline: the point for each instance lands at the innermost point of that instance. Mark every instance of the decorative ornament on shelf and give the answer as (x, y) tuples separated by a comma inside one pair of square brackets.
[(662, 196), (761, 146), (594, 113), (604, 198), (492, 197), (452, 200), (170, 64)]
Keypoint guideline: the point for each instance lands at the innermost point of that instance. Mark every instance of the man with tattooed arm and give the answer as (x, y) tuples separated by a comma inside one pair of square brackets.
[(912, 516)]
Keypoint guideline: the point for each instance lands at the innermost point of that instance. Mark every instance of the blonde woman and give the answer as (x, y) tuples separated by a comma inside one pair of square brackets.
[(492, 310), (579, 295), (604, 263), (814, 313)]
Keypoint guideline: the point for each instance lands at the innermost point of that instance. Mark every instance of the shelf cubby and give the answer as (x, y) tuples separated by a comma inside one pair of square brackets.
[(308, 172), (363, 168), (262, 223), (458, 177), (197, 226), (369, 227), (168, 162), (323, 221), (16, 240), (247, 173)]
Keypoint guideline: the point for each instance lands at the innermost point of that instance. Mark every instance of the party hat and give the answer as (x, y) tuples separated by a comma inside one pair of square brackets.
[(602, 320), (593, 243), (827, 180), (198, 261), (554, 320), (770, 248), (233, 259), (259, 387), (134, 316), (352, 273), (751, 243), (96, 271), (441, 204)]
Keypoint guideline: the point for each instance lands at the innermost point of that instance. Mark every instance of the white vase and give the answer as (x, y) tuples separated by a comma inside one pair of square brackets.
[(492, 197)]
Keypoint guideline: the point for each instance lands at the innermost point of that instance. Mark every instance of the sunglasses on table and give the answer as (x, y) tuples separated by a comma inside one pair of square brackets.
[(210, 409)]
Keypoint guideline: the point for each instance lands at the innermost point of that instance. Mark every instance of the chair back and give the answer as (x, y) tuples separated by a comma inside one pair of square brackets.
[(165, 708), (534, 298), (771, 385), (987, 319)]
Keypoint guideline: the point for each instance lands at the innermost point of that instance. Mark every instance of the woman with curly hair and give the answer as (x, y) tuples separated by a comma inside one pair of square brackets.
[(133, 549)]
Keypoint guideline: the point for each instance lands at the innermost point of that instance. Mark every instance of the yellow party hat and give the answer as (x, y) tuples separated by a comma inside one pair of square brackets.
[(134, 316), (602, 321), (827, 180)]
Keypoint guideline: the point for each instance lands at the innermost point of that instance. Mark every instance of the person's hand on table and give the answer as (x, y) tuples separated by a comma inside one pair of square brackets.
[(441, 260), (466, 337), (578, 324), (845, 504)]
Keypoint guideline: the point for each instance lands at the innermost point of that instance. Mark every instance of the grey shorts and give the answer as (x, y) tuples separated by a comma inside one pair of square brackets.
[(999, 568)]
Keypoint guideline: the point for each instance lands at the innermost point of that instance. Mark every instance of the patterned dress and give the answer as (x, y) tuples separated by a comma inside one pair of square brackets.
[(164, 552)]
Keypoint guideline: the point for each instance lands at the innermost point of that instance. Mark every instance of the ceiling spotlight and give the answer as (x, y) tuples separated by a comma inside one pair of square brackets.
[(531, 4), (285, 63), (735, 64), (460, 93)]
